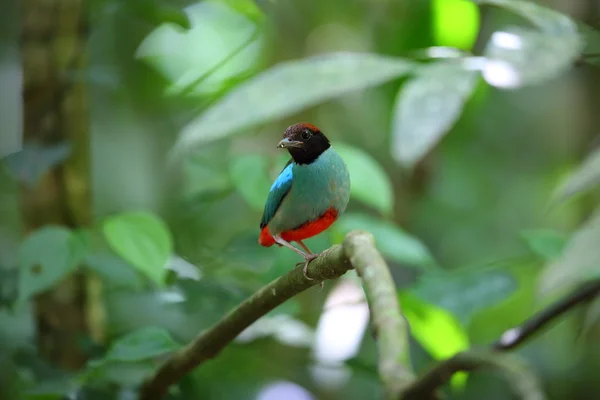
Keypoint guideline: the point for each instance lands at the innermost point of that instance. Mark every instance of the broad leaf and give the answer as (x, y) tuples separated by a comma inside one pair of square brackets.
[(369, 182), (393, 242), (206, 172), (117, 373), (142, 239), (437, 330), (141, 345), (250, 175), (580, 260), (47, 256), (546, 19), (31, 163), (545, 243), (455, 23), (58, 388), (183, 269), (114, 270), (591, 39), (158, 14), (592, 317), (287, 88), (221, 45), (427, 107), (243, 253), (584, 178), (464, 293), (518, 57)]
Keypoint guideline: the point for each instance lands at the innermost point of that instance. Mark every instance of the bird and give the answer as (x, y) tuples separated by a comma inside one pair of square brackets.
[(310, 193)]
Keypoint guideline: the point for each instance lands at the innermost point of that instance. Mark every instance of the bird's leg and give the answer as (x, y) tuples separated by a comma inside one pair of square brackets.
[(308, 257), (306, 249)]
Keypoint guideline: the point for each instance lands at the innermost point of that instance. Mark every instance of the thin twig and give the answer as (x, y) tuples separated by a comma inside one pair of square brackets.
[(516, 336)]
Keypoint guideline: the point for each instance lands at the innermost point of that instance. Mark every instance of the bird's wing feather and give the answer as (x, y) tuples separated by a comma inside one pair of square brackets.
[(279, 190)]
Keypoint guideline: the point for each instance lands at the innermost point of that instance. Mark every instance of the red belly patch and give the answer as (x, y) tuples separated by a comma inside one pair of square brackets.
[(304, 231)]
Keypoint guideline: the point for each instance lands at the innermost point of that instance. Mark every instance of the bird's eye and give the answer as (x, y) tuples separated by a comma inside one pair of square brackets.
[(306, 134)]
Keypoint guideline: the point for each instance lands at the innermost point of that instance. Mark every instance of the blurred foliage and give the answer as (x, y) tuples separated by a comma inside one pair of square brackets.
[(467, 128)]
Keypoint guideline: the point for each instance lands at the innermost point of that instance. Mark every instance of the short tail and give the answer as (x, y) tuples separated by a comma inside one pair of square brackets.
[(265, 238)]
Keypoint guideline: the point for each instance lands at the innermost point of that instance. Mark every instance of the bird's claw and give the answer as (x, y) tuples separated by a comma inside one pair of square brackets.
[(307, 261)]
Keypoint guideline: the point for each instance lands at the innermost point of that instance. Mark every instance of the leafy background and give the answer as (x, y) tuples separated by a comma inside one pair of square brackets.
[(470, 131)]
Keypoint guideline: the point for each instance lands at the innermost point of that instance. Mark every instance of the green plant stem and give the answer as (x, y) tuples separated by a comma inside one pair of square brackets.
[(391, 328)]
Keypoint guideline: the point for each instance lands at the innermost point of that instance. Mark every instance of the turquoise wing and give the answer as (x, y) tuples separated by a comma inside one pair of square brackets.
[(277, 193)]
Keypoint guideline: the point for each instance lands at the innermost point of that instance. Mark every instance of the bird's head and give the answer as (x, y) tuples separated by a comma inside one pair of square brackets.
[(305, 142)]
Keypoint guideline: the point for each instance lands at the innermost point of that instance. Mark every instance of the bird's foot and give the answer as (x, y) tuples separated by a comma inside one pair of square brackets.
[(308, 258)]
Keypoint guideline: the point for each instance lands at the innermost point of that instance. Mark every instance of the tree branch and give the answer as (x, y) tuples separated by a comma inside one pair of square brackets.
[(331, 264), (391, 328), (516, 336), (426, 385), (358, 249), (524, 383)]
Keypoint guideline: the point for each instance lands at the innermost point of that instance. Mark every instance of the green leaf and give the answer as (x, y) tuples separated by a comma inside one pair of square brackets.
[(143, 344), (247, 8), (591, 39), (427, 107), (243, 253), (47, 256), (591, 318), (287, 88), (578, 262), (392, 241), (250, 175), (206, 172), (545, 243), (31, 163), (114, 270), (223, 44), (517, 56), (545, 19), (157, 14), (369, 182), (584, 178), (53, 389), (466, 292), (142, 239), (438, 331)]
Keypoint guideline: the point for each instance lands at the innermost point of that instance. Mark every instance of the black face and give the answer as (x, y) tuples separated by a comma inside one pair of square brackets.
[(305, 142)]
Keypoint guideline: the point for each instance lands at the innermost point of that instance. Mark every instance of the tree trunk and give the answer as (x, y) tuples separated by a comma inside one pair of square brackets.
[(54, 111)]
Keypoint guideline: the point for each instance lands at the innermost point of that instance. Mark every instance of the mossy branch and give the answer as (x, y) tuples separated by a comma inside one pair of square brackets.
[(358, 250), (390, 326)]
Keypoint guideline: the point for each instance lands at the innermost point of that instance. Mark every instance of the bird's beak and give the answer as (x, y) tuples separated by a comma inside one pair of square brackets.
[(287, 143)]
